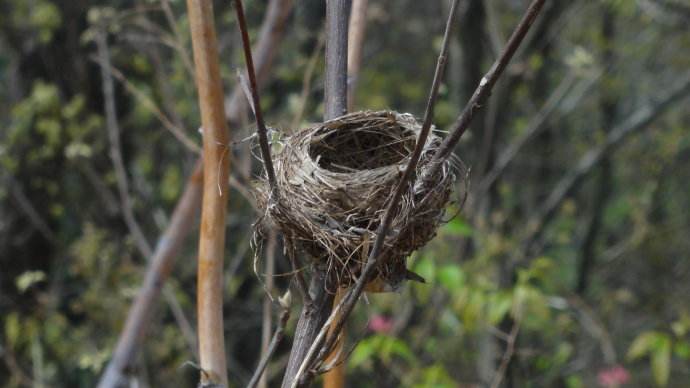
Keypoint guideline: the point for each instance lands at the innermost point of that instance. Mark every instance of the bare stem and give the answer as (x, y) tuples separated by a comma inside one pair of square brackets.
[(214, 201), (275, 340), (484, 88), (358, 24), (260, 125)]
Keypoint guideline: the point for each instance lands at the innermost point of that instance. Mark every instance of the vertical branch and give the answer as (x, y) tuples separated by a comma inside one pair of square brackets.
[(214, 200), (358, 24), (267, 310), (335, 378), (315, 314), (337, 12), (604, 178)]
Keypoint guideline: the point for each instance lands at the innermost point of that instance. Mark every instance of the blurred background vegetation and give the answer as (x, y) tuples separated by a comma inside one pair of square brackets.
[(593, 293)]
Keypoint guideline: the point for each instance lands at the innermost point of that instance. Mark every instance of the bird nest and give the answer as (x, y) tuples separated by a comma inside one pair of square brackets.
[(334, 181)]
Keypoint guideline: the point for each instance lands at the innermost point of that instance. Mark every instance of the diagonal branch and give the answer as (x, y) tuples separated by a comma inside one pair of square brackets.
[(275, 340), (261, 126), (483, 91)]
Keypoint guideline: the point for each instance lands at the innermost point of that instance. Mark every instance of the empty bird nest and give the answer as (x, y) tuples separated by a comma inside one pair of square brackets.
[(334, 181)]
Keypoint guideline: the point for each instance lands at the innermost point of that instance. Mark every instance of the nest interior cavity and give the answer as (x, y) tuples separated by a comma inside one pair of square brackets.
[(334, 181)]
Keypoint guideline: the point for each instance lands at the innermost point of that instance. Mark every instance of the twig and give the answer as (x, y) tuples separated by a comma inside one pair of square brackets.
[(151, 106), (306, 83), (269, 36), (179, 38), (358, 24), (535, 126), (261, 126), (299, 277), (484, 88), (639, 120), (277, 337), (113, 129), (32, 214), (507, 355), (214, 200), (351, 298), (267, 313)]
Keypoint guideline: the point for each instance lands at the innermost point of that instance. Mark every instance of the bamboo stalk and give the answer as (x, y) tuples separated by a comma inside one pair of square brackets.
[(214, 199)]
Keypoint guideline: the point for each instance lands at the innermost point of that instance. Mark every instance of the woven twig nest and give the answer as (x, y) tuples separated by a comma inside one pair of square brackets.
[(334, 181)]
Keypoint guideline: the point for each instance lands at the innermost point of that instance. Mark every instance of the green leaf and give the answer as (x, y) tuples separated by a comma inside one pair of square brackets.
[(682, 350), (661, 360), (498, 306), (28, 279), (457, 227), (641, 345), (451, 277), (426, 268), (364, 351)]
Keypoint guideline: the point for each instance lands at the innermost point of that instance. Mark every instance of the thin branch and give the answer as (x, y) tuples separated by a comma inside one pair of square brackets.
[(507, 355), (358, 24), (306, 83), (277, 337), (335, 88), (261, 126), (271, 33), (296, 270), (484, 88), (267, 321), (214, 200), (349, 301), (115, 148), (29, 210), (534, 127), (639, 120), (147, 102)]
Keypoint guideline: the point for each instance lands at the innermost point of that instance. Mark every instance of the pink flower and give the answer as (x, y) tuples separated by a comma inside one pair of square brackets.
[(380, 324), (614, 376)]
